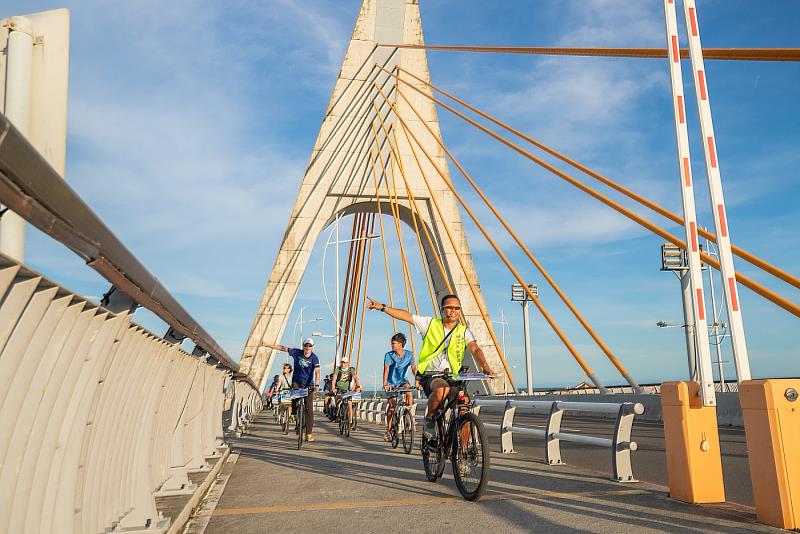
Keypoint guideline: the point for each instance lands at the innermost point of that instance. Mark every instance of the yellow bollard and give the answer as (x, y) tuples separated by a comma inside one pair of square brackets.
[(691, 438), (771, 410)]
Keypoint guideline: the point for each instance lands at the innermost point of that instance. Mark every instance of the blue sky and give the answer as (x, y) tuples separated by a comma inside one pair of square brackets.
[(191, 122)]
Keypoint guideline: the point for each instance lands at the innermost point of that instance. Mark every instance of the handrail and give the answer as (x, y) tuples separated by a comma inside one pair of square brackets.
[(34, 190), (620, 443)]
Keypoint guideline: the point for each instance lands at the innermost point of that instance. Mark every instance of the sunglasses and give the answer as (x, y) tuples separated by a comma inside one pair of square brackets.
[(454, 308), (308, 345)]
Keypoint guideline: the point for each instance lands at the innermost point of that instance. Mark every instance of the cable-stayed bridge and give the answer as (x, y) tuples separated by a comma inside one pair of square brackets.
[(109, 427)]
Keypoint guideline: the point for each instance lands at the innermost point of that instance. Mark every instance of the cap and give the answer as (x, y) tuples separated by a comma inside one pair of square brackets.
[(308, 341)]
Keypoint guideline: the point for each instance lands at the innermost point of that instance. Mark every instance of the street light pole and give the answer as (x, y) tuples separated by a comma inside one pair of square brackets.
[(526, 330), (518, 294)]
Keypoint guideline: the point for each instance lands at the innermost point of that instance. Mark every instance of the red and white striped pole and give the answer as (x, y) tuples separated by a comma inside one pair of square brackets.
[(736, 325), (689, 214)]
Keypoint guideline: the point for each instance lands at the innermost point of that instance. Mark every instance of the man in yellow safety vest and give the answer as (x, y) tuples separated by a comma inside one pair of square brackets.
[(444, 342)]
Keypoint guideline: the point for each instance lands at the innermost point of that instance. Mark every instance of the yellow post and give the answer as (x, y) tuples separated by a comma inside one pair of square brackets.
[(771, 411), (691, 438)]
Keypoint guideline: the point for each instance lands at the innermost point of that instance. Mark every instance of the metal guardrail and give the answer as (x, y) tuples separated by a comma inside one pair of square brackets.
[(620, 443), (30, 187)]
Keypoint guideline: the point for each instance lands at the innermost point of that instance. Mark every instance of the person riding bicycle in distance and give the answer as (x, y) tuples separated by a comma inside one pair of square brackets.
[(328, 391), (345, 379), (444, 342), (395, 365), (305, 375)]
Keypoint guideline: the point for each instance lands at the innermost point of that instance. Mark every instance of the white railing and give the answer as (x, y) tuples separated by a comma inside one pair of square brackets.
[(619, 444), (98, 416)]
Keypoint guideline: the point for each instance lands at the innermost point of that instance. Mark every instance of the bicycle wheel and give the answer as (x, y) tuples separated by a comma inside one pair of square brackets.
[(407, 431), (340, 418), (301, 423), (346, 419), (395, 430), (470, 457), (433, 457)]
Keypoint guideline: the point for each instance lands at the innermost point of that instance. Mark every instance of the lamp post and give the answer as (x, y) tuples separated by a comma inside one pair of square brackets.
[(674, 259), (300, 322), (518, 294)]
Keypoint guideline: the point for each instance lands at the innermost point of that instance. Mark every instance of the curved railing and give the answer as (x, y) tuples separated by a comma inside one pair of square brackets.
[(100, 418)]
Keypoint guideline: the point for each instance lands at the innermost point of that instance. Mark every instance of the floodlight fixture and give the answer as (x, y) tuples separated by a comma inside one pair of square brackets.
[(518, 293)]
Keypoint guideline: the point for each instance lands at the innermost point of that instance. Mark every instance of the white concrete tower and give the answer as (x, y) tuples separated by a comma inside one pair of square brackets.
[(339, 179)]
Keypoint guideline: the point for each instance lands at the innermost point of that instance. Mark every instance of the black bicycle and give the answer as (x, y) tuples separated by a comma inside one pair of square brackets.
[(300, 395), (402, 428), (459, 434), (346, 423)]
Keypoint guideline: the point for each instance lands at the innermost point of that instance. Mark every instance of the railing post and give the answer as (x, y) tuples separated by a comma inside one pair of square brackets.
[(234, 424), (553, 447), (506, 434), (622, 447)]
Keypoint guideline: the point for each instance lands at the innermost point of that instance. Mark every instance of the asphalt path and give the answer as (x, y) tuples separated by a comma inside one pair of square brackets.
[(649, 462), (361, 484)]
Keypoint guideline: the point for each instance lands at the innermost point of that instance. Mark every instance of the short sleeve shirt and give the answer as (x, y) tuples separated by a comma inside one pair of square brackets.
[(344, 378), (440, 361), (398, 366), (303, 372)]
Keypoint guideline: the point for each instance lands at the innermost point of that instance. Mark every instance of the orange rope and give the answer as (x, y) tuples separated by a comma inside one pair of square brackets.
[(789, 306), (740, 54), (456, 252), (366, 288), (674, 217), (594, 335), (587, 370)]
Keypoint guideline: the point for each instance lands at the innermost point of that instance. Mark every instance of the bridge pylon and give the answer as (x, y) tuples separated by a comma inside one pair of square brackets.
[(339, 179)]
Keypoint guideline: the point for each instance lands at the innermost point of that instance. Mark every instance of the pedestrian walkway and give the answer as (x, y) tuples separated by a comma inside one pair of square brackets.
[(361, 484)]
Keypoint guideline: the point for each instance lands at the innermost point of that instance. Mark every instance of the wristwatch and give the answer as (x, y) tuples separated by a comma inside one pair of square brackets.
[(383, 307)]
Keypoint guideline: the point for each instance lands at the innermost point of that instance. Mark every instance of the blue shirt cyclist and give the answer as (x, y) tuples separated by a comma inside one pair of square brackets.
[(396, 363)]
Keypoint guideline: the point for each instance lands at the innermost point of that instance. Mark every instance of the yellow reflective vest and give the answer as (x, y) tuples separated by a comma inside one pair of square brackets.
[(432, 346)]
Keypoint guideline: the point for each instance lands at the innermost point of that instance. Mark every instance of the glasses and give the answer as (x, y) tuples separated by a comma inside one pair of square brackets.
[(308, 345), (453, 308)]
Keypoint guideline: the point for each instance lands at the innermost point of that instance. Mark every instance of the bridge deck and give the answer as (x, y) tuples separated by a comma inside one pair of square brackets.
[(362, 484)]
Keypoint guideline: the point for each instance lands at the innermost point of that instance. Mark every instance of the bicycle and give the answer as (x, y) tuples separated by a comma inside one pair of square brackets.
[(459, 434), (330, 411), (346, 423), (284, 411), (300, 395), (402, 423)]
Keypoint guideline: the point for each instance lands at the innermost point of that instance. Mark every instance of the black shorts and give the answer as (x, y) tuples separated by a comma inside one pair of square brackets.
[(426, 380)]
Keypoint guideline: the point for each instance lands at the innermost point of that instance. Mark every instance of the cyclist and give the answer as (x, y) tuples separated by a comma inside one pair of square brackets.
[(273, 388), (306, 375), (395, 365), (345, 379), (328, 389), (285, 380), (444, 342)]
